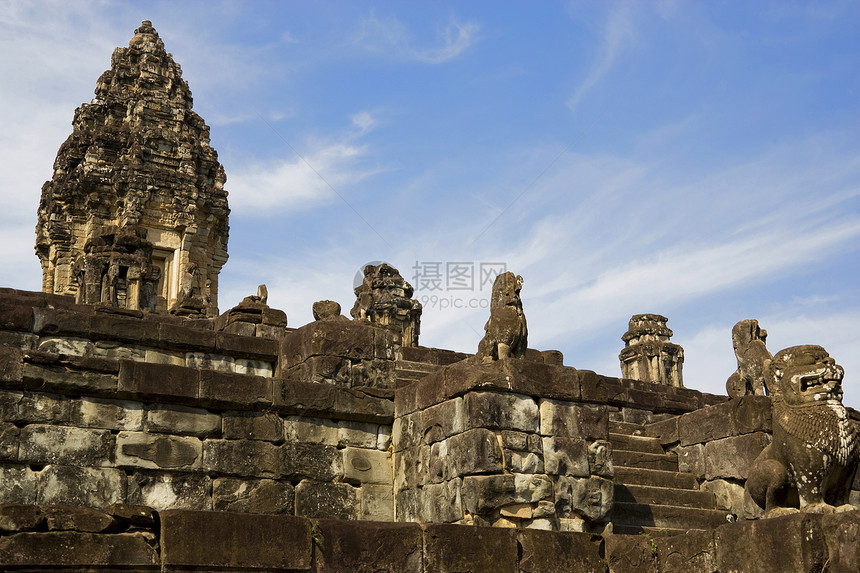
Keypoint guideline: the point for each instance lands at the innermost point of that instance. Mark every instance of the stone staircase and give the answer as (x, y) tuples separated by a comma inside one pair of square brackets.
[(651, 495), (407, 371)]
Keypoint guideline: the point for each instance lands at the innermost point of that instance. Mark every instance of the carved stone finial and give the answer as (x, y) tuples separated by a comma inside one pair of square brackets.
[(506, 333), (648, 355), (810, 463), (748, 340), (384, 297), (263, 294), (326, 309)]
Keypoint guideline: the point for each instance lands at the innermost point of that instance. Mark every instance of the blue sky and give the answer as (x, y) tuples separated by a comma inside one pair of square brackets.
[(700, 160)]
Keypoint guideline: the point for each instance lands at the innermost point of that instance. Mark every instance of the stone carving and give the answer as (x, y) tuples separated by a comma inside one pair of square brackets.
[(506, 333), (135, 214), (811, 462), (384, 298), (648, 355), (748, 340), (116, 269), (326, 309)]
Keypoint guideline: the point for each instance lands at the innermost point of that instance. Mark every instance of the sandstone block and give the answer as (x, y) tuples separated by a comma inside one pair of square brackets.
[(412, 468), (92, 487), (446, 419), (118, 351), (474, 451), (107, 414), (565, 456), (227, 388), (268, 427), (600, 458), (45, 444), (72, 549), (313, 461), (732, 457), (21, 517), (11, 367), (311, 430), (245, 346), (170, 490), (376, 503), (523, 462), (9, 400), (442, 503), (357, 546), (157, 451), (253, 495), (483, 494), (254, 367), (75, 518), (729, 496), (8, 442), (407, 431), (631, 553), (326, 500), (309, 399), (790, 543), (558, 419), (362, 466), (250, 458), (691, 459), (358, 434), (18, 485), (157, 356), (693, 552), (501, 411), (590, 498), (182, 420), (235, 540), (60, 378), (204, 361), (453, 549), (45, 408), (543, 552), (66, 345), (665, 430), (160, 381)]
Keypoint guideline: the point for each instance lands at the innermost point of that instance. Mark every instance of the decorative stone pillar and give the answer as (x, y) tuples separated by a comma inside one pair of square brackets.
[(648, 355)]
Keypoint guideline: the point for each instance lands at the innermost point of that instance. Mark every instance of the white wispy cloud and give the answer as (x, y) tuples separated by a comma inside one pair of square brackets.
[(618, 33), (390, 37), (268, 188)]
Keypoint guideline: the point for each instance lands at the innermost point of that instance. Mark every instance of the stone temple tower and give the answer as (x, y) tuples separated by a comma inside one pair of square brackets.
[(135, 215)]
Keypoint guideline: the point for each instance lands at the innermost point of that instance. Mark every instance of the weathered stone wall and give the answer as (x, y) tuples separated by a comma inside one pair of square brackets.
[(130, 538), (515, 443), (96, 430)]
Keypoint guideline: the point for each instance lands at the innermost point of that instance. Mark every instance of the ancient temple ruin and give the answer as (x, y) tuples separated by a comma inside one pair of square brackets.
[(142, 431), (135, 216)]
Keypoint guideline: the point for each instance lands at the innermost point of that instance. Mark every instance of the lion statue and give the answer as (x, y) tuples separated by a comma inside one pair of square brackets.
[(811, 461), (506, 332), (748, 340)]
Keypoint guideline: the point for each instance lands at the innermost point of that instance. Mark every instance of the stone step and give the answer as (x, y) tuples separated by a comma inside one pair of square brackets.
[(628, 428), (629, 459), (665, 496), (673, 516), (621, 529), (658, 478), (635, 443)]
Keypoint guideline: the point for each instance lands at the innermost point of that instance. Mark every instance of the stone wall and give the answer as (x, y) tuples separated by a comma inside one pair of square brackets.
[(515, 443), (132, 538), (90, 429)]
